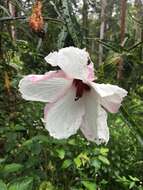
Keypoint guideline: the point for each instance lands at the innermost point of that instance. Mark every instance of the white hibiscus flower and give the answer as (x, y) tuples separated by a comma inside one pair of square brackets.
[(74, 100)]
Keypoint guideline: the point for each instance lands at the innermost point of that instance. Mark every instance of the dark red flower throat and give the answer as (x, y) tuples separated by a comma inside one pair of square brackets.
[(80, 88)]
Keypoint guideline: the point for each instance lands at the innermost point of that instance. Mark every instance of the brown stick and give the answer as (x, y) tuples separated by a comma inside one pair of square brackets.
[(120, 65), (12, 10), (123, 19), (102, 29)]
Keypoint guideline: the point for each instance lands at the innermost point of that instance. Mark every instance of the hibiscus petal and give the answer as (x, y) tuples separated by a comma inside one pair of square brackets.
[(111, 96), (91, 75), (44, 88), (73, 61), (47, 108), (94, 124), (102, 127), (64, 117)]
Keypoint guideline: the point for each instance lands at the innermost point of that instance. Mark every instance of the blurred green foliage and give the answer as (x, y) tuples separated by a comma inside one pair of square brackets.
[(32, 160)]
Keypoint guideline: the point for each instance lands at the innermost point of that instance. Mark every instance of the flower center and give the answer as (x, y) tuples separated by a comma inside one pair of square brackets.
[(80, 88)]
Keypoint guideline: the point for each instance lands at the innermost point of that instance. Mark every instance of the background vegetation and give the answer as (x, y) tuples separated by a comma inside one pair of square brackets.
[(112, 31)]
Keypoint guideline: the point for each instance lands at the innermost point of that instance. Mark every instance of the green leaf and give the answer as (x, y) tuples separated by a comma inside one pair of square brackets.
[(2, 185), (81, 160), (24, 184), (77, 162), (96, 163), (104, 151), (132, 184), (46, 185), (10, 168), (66, 163), (89, 185), (103, 159), (2, 160), (133, 178), (39, 138), (61, 153), (72, 142)]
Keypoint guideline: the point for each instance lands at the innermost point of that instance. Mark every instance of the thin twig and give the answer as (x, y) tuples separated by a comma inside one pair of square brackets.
[(135, 45), (5, 19)]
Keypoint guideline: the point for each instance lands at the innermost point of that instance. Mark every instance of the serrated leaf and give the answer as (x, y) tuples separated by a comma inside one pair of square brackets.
[(24, 184), (2, 185), (66, 163), (133, 178), (103, 159)]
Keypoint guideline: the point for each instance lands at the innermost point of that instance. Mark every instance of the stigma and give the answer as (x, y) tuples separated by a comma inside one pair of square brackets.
[(80, 88)]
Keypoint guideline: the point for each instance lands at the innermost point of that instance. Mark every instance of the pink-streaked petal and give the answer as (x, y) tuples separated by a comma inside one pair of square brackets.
[(111, 96), (94, 124), (91, 75), (47, 108), (44, 88), (73, 61), (64, 116), (57, 74), (48, 75)]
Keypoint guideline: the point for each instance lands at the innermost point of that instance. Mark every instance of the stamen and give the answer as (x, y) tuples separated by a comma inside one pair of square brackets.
[(88, 62), (80, 88)]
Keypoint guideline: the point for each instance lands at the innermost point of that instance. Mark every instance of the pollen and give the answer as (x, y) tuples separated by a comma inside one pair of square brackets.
[(80, 88)]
